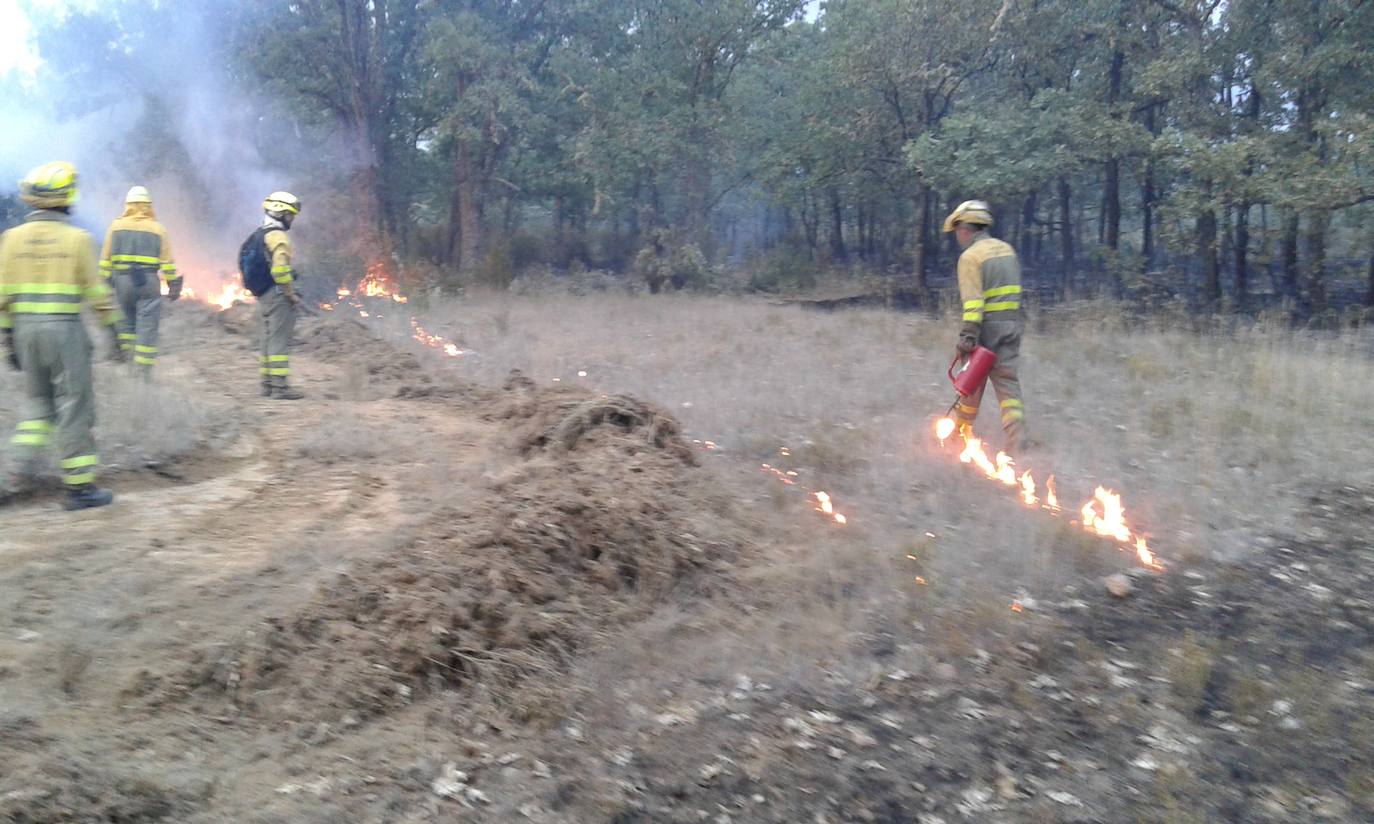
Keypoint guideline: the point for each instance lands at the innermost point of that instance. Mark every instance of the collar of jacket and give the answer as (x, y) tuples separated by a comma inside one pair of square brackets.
[(139, 211), (269, 222), (47, 214), (982, 235)]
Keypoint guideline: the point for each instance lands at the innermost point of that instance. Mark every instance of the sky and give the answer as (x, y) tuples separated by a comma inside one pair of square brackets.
[(15, 52)]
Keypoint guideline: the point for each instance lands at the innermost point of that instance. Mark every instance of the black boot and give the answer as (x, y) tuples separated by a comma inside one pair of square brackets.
[(286, 393), (87, 496)]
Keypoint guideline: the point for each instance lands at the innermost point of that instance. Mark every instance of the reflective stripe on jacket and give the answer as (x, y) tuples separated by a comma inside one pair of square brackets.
[(137, 242), (47, 268), (989, 278), (279, 250)]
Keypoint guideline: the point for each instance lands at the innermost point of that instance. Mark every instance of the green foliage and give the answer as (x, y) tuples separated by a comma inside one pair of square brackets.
[(496, 271), (1114, 140), (667, 262), (787, 270)]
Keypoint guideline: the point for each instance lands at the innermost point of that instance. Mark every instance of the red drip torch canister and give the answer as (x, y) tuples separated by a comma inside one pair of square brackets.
[(970, 379)]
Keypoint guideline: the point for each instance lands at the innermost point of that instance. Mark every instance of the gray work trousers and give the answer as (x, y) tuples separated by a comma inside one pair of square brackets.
[(278, 323), (1003, 337), (59, 403), (142, 308)]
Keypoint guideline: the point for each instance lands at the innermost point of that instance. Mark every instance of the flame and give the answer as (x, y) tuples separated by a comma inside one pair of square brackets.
[(943, 429), (1142, 551), (377, 283), (1028, 496), (1103, 514), (1006, 469), (973, 453), (1111, 522), (225, 296), (1017, 607), (826, 507)]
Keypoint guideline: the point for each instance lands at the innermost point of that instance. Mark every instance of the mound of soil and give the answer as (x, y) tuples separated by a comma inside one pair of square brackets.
[(567, 420), (345, 340), (597, 515)]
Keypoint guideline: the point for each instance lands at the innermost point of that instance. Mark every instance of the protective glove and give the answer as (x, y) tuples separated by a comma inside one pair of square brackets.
[(968, 338), (10, 351), (174, 289), (290, 292), (117, 354)]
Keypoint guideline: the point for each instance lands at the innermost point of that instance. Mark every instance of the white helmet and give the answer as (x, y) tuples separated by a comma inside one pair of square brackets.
[(975, 212), (282, 203), (138, 194)]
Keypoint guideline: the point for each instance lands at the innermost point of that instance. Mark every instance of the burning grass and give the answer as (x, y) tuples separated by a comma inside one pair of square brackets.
[(1210, 440)]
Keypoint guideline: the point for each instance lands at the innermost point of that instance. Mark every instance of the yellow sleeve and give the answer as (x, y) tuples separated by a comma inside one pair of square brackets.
[(106, 268), (971, 286), (93, 286), (5, 321), (279, 245), (168, 266)]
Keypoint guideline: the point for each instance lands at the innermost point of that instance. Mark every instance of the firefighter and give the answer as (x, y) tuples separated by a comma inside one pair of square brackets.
[(990, 289), (137, 259), (47, 270), (280, 304)]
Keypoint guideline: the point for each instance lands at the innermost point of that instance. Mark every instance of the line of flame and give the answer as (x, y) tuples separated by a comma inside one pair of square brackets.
[(1103, 514)]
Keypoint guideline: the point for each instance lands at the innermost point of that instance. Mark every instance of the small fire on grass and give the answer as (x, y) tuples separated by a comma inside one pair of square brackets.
[(221, 297), (378, 284), (1103, 514), (791, 477)]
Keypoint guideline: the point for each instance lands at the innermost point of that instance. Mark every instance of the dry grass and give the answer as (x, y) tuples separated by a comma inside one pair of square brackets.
[(138, 423), (1211, 439)]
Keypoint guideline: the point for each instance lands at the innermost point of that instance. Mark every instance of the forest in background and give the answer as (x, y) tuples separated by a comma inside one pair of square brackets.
[(1216, 151)]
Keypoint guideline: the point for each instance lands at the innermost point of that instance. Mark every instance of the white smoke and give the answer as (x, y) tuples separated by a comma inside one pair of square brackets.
[(166, 114)]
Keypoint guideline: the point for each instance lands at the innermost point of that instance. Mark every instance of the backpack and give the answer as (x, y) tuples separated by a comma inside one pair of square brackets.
[(254, 263)]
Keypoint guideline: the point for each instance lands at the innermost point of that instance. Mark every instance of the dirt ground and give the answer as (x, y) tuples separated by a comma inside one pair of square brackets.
[(418, 598)]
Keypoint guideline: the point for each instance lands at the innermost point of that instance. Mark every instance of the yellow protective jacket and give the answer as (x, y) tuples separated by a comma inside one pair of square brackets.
[(989, 280), (47, 269), (137, 242), (279, 249)]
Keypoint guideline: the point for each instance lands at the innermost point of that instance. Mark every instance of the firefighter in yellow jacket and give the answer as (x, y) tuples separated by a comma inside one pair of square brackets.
[(47, 270), (279, 304), (136, 259), (990, 289)]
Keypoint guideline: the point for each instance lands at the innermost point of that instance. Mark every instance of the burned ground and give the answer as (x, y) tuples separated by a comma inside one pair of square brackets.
[(417, 597)]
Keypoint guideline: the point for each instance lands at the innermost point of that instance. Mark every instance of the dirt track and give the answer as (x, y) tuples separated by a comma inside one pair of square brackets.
[(307, 596)]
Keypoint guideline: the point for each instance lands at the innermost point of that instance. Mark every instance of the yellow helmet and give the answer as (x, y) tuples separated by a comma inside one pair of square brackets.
[(970, 211), (282, 203), (50, 186), (138, 194)]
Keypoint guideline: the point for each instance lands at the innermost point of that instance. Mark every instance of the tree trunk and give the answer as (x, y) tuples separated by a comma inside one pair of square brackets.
[(837, 250), (918, 246), (1111, 189), (465, 226), (1316, 259), (1288, 254), (1065, 238), (1369, 294), (1147, 200), (1207, 251), (1027, 222), (1243, 255), (861, 218)]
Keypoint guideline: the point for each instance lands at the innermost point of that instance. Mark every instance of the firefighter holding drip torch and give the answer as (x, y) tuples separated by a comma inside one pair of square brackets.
[(990, 290)]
